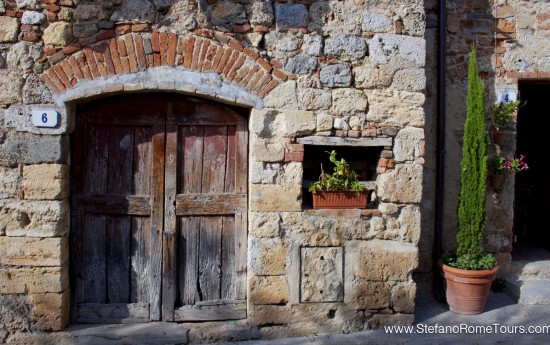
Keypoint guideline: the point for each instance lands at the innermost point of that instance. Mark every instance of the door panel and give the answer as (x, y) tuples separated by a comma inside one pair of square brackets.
[(159, 204)]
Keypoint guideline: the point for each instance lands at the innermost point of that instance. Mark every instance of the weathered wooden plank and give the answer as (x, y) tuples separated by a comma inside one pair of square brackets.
[(339, 141), (157, 193), (121, 153), (210, 204), (141, 226), (136, 205), (112, 313), (97, 153), (241, 243), (214, 159), (210, 258), (169, 234), (144, 110), (231, 160), (188, 244), (241, 173), (192, 138), (198, 112), (78, 158), (94, 266), (234, 311), (228, 270)]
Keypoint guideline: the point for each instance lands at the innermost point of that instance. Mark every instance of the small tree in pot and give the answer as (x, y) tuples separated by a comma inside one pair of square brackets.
[(470, 264)]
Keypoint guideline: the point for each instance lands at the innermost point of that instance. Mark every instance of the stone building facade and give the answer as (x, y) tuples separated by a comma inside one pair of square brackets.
[(310, 75)]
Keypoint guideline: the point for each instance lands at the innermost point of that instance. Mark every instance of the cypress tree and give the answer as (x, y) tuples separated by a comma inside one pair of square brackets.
[(471, 209)]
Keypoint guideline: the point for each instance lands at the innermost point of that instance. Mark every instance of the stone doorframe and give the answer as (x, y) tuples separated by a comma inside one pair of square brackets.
[(223, 71)]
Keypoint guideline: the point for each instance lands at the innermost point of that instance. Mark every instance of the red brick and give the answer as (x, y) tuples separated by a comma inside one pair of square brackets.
[(203, 33), (44, 77), (264, 80), (125, 64), (132, 61), (222, 38), (61, 75), (150, 60), (180, 49), (83, 65), (122, 51), (14, 14), (172, 44), (196, 52), (140, 53), (51, 16), (276, 63), (42, 59), (249, 76), (105, 34), (55, 81), (46, 2), (354, 134), (295, 147), (260, 28), (53, 8), (188, 57), (230, 62), (68, 70), (241, 28), (87, 40), (217, 58), (100, 60), (209, 57), (123, 29), (68, 50), (113, 48), (31, 37), (155, 41), (108, 60), (279, 74), (26, 28), (254, 79), (65, 2), (140, 27), (223, 60), (50, 51), (264, 64), (233, 71), (156, 60), (294, 156), (236, 45), (543, 21), (251, 53), (203, 55), (367, 213), (74, 64), (163, 39), (241, 73), (270, 86), (91, 62)]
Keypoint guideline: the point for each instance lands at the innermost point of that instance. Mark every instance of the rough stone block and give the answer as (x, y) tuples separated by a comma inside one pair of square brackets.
[(349, 101), (403, 184), (58, 34), (380, 320), (34, 218), (264, 224), (384, 46), (38, 252), (396, 108), (369, 295), (8, 29), (9, 183), (32, 280), (261, 13), (33, 18), (315, 99), (268, 290), (402, 297), (46, 181), (321, 274), (381, 261), (12, 83), (298, 123), (266, 151), (377, 22), (410, 224), (324, 122), (19, 118), (291, 16), (413, 80), (338, 75), (288, 174), (270, 314), (346, 47), (409, 144), (301, 64), (137, 10), (50, 311), (283, 96), (35, 91), (313, 44), (275, 198), (267, 256), (27, 148)]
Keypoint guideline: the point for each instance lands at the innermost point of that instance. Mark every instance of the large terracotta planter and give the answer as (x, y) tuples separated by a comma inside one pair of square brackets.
[(467, 290), (340, 199)]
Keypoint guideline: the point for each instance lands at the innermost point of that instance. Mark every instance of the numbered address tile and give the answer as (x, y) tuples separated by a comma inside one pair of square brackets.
[(45, 118)]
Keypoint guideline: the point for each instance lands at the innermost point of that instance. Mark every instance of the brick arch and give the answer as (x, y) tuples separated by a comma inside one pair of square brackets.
[(135, 53)]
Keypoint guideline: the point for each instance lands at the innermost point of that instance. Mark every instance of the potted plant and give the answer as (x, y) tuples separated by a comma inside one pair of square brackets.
[(502, 115), (341, 189), (469, 271), (506, 166)]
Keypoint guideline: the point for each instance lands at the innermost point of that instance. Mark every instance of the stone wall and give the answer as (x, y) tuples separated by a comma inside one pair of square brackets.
[(339, 69), (512, 44)]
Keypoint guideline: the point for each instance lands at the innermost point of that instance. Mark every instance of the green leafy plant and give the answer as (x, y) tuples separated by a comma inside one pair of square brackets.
[(342, 178), (503, 113), (511, 165), (473, 180)]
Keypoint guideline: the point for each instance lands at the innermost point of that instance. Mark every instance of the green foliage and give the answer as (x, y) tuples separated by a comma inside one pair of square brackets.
[(343, 178), (471, 208), (471, 262), (503, 113)]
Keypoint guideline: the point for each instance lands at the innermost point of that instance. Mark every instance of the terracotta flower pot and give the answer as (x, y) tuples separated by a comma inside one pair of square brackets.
[(340, 199), (499, 137), (467, 290)]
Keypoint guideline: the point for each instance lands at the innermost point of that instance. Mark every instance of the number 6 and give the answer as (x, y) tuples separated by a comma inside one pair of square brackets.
[(44, 118)]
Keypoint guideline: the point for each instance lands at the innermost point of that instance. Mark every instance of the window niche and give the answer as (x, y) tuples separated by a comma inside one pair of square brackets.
[(363, 156)]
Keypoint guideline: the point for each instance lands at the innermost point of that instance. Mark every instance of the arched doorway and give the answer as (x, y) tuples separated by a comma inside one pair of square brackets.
[(158, 205)]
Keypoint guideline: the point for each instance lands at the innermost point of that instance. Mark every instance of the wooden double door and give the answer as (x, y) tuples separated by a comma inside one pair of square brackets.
[(159, 210)]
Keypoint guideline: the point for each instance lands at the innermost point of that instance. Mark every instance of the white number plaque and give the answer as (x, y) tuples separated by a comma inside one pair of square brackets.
[(45, 118)]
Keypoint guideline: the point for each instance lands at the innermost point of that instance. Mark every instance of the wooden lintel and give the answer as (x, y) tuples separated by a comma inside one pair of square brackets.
[(341, 141)]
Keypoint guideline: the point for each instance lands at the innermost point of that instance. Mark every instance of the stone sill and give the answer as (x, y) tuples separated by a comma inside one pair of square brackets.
[(366, 212)]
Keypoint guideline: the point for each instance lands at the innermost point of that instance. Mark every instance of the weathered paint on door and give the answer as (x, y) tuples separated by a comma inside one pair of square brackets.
[(159, 197)]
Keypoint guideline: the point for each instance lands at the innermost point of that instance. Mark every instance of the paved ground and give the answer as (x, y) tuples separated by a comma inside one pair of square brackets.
[(500, 311)]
